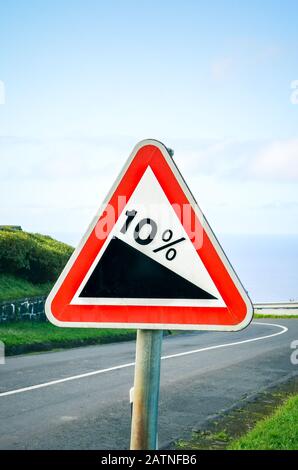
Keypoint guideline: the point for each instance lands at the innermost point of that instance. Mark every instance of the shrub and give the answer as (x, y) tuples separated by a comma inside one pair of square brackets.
[(34, 257)]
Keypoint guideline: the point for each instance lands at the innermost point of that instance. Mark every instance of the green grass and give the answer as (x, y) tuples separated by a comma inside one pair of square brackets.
[(278, 432), (204, 440), (259, 315), (28, 336), (12, 288)]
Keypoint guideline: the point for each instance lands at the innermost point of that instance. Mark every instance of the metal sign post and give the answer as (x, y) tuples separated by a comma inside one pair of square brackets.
[(146, 390)]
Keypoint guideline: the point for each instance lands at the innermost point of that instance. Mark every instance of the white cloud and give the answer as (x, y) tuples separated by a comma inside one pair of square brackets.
[(223, 159), (278, 161), (254, 160), (2, 92), (60, 158), (221, 68), (56, 186)]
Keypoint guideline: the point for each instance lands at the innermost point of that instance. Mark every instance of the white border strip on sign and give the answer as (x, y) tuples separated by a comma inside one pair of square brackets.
[(152, 302), (208, 230)]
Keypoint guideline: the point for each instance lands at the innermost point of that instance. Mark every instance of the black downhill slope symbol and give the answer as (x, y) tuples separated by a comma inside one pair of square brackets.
[(123, 271)]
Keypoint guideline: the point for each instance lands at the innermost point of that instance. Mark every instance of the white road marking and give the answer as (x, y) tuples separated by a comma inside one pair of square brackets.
[(283, 329)]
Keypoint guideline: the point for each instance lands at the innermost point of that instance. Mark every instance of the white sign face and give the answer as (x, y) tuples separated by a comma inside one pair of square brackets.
[(172, 257)]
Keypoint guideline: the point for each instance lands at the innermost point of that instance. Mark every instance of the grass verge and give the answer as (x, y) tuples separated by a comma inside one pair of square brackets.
[(24, 337), (278, 432), (13, 288), (259, 315), (268, 420)]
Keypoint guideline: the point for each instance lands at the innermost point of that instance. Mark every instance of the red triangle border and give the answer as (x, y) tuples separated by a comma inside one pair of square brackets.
[(239, 311)]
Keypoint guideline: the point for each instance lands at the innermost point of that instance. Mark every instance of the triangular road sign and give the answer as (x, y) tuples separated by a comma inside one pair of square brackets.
[(149, 259)]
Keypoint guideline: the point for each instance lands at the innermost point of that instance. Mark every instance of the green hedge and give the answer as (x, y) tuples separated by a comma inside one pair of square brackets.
[(31, 256)]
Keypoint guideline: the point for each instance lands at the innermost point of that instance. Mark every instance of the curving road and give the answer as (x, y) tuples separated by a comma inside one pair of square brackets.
[(78, 399)]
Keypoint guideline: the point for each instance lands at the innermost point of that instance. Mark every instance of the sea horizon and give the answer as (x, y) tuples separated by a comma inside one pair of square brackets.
[(264, 263)]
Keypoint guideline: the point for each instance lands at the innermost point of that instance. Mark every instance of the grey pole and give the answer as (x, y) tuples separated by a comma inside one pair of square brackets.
[(146, 390)]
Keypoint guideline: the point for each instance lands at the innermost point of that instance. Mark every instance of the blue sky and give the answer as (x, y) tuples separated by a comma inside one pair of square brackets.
[(85, 80)]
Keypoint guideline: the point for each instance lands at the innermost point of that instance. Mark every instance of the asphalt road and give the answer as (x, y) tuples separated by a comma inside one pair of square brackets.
[(93, 412)]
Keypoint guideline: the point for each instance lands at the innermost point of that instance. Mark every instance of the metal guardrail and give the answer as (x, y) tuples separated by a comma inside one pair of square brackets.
[(276, 308)]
